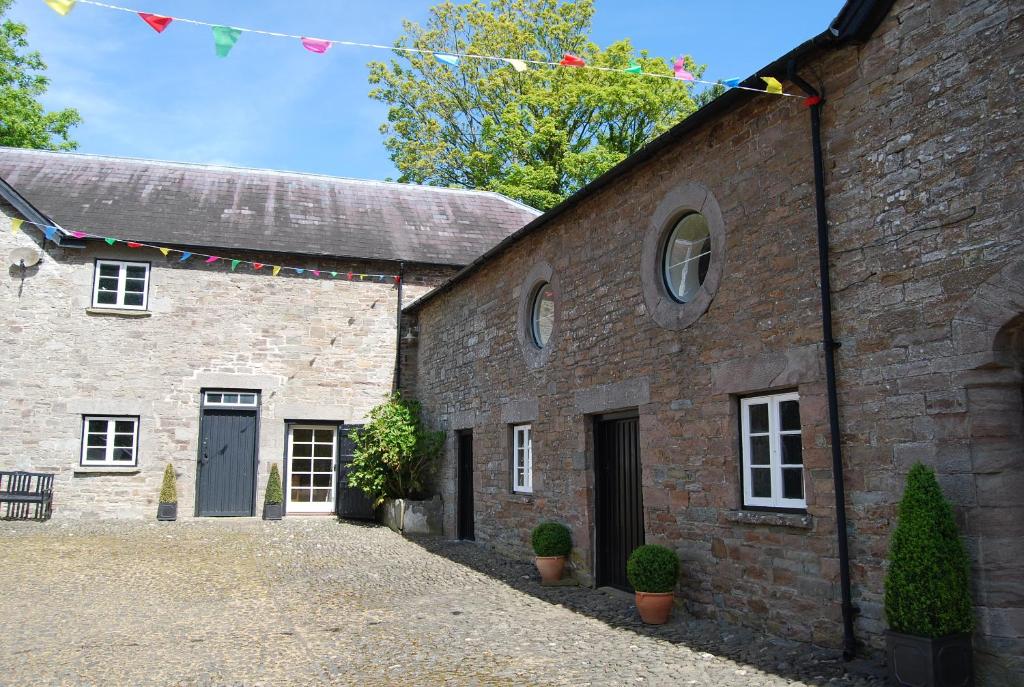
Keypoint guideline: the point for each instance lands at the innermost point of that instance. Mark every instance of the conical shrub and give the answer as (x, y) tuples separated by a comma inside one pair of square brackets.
[(274, 495), (169, 488), (927, 589)]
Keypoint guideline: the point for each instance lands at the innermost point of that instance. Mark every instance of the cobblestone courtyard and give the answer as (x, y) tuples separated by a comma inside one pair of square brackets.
[(314, 601)]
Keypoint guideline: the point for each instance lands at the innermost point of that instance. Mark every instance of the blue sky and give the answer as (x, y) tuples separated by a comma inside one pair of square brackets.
[(272, 104)]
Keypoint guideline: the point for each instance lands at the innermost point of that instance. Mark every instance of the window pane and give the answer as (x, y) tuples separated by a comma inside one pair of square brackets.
[(124, 426), (231, 398), (133, 299), (687, 257), (136, 272), (323, 465), (300, 480), (135, 285), (789, 414), (98, 426), (543, 315), (758, 417), (108, 283), (793, 483), (323, 450), (322, 495), (759, 451), (110, 270), (520, 478), (213, 398), (323, 480), (127, 440), (248, 399), (761, 483), (107, 297), (97, 440), (96, 454), (123, 454), (302, 450), (300, 465), (302, 434), (792, 452), (300, 495)]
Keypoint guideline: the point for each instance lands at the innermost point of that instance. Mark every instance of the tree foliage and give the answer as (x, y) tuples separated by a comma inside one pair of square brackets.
[(24, 123), (927, 587), (538, 135), (395, 454)]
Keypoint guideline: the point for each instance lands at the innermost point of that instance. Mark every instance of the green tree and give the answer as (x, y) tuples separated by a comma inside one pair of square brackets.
[(537, 135), (23, 121)]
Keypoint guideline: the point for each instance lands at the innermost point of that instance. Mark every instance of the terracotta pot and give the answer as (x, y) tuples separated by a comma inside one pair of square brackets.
[(550, 567), (655, 608)]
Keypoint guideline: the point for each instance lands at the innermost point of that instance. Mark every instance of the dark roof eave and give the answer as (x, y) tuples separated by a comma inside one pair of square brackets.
[(34, 216)]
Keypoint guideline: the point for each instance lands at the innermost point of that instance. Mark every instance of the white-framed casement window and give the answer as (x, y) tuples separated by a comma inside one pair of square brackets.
[(120, 284), (110, 441), (522, 459), (230, 399), (773, 463)]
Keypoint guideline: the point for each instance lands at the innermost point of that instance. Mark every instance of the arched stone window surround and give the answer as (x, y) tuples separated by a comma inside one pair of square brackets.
[(541, 273), (662, 306)]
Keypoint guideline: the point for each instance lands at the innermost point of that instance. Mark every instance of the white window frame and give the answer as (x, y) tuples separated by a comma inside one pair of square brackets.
[(312, 506), (108, 460), (122, 276), (522, 458), (215, 398), (775, 435)]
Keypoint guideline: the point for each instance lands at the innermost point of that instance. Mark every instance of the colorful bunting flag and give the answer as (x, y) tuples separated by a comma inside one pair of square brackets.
[(334, 274), (277, 270), (110, 242), (79, 234), (680, 69), (299, 270), (50, 232), (774, 86), (398, 279), (158, 22), (634, 68), (234, 264), (257, 265), (165, 251), (16, 225), (812, 100), (61, 7), (450, 60), (317, 45), (212, 258), (350, 276), (570, 60), (316, 273), (132, 244), (184, 256), (518, 65), (224, 38), (732, 83)]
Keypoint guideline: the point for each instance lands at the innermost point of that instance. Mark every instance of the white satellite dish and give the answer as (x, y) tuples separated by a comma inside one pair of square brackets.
[(25, 257)]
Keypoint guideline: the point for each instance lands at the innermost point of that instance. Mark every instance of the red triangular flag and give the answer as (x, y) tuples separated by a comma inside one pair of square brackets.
[(158, 22), (572, 61), (257, 265), (132, 244)]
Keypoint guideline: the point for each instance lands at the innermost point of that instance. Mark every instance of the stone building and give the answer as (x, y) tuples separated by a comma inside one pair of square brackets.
[(118, 360), (645, 362)]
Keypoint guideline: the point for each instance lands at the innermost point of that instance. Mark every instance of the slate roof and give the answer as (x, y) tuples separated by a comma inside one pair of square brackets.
[(259, 209)]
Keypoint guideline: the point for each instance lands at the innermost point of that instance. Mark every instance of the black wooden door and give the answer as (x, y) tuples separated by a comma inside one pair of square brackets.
[(465, 515), (351, 503), (226, 479), (619, 502)]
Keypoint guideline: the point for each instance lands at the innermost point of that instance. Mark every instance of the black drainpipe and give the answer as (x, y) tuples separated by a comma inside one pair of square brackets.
[(398, 329), (815, 101)]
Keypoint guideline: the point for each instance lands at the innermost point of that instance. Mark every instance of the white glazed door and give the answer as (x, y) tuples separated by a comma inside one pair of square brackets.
[(312, 450)]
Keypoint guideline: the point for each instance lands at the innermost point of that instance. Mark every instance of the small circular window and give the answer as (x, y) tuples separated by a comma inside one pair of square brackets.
[(542, 320), (687, 256)]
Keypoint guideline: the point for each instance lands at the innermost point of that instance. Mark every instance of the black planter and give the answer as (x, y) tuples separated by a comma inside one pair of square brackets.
[(924, 662), (167, 512), (272, 511)]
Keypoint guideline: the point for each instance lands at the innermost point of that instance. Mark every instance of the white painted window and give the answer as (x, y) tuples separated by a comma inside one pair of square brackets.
[(312, 450), (773, 463), (119, 284), (230, 399), (687, 257), (522, 459), (110, 441)]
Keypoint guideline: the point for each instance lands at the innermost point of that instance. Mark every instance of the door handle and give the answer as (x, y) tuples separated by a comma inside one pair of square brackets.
[(205, 458)]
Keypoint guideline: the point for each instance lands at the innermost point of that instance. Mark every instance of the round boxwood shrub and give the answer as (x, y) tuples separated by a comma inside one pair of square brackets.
[(551, 539), (927, 589), (652, 568)]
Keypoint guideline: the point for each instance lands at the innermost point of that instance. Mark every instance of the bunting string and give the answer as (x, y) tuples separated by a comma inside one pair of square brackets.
[(225, 38), (50, 232)]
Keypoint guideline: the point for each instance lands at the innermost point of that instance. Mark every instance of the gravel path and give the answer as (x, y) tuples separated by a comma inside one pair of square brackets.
[(315, 601)]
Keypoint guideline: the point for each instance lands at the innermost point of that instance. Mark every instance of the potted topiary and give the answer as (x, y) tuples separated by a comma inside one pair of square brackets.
[(274, 497), (927, 594), (653, 571), (552, 542), (167, 510)]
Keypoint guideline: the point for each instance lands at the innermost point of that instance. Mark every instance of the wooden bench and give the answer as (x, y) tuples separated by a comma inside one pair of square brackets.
[(22, 491)]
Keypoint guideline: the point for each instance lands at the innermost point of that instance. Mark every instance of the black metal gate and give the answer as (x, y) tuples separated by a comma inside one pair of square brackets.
[(351, 503), (619, 499), (226, 475), (465, 485)]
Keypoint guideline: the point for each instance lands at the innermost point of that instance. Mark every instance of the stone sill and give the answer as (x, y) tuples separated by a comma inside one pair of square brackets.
[(523, 496), (800, 521), (118, 312), (101, 470)]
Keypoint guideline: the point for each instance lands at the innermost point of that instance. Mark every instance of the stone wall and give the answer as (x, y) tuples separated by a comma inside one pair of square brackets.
[(316, 349), (921, 129)]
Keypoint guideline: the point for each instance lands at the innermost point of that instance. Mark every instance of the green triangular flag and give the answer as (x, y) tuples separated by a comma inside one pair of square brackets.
[(334, 274), (224, 38), (234, 264), (634, 68), (110, 242)]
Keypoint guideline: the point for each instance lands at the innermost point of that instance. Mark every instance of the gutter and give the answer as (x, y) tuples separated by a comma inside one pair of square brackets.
[(35, 217)]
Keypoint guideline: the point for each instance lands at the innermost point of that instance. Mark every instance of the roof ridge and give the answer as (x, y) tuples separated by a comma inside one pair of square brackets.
[(275, 172)]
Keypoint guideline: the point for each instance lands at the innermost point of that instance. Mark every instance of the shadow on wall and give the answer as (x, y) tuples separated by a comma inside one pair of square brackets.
[(785, 658)]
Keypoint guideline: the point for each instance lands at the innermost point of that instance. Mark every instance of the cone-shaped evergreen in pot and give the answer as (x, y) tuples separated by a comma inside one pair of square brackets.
[(169, 488), (927, 586), (274, 494), (551, 539)]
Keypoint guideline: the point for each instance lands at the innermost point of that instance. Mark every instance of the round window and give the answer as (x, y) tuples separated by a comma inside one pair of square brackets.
[(687, 256), (543, 318)]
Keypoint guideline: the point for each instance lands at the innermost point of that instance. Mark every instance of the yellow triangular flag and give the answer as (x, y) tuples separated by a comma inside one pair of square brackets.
[(773, 84), (16, 225), (165, 251), (277, 269), (61, 7), (518, 65)]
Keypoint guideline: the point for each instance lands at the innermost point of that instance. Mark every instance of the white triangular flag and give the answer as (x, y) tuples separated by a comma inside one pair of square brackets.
[(518, 65)]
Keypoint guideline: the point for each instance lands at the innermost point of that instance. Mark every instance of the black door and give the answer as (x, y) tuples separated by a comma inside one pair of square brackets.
[(351, 503), (465, 518), (619, 502), (226, 479)]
